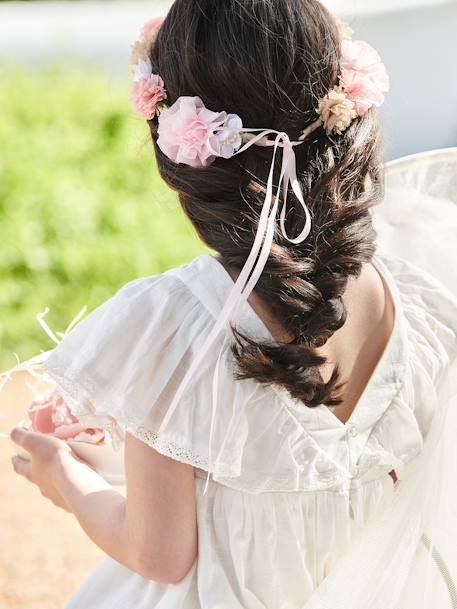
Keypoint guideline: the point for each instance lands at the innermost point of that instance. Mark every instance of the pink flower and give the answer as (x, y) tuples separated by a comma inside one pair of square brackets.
[(148, 91), (363, 75), (191, 134), (151, 29), (361, 91), (359, 55), (52, 416), (142, 47)]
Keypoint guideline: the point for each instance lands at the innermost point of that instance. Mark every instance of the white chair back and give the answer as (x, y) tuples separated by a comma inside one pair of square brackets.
[(418, 218)]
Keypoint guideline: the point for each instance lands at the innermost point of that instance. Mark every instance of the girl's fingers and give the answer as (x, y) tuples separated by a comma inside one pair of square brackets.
[(21, 466), (22, 437), (37, 443)]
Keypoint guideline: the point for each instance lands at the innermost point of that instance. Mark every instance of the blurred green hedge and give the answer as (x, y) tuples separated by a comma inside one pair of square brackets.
[(82, 208)]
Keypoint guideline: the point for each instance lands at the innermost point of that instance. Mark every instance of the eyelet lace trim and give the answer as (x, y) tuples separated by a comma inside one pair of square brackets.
[(165, 447), (77, 388)]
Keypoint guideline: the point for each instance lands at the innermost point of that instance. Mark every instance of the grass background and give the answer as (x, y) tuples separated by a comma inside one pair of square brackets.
[(82, 208)]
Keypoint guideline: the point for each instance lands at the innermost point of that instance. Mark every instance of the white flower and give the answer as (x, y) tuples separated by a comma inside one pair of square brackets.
[(230, 136), (345, 30), (142, 70)]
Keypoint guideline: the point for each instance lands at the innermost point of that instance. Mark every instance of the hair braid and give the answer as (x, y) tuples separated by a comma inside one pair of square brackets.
[(270, 69)]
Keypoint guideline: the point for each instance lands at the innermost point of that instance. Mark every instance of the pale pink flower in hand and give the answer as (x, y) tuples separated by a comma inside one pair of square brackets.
[(52, 416)]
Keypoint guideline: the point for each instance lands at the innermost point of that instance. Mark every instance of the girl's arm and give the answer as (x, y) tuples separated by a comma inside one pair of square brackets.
[(153, 531)]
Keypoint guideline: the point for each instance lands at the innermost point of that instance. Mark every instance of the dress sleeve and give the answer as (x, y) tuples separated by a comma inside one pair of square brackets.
[(120, 366)]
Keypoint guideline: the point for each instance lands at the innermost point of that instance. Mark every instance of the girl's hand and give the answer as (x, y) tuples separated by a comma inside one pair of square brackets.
[(48, 457)]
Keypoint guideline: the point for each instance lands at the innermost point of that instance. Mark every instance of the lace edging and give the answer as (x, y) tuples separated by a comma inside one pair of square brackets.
[(77, 389)]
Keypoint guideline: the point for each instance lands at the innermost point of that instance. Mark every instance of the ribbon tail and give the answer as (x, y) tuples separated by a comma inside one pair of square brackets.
[(213, 412), (266, 249), (232, 300)]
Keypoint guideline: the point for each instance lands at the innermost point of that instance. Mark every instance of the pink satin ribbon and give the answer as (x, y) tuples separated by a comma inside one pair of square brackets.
[(254, 265)]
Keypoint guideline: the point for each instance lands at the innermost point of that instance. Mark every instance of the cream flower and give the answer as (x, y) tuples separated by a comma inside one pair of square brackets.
[(346, 32), (139, 51), (141, 47), (151, 29), (336, 110)]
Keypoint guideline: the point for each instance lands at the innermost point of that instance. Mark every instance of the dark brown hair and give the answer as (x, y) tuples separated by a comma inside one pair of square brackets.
[(269, 61)]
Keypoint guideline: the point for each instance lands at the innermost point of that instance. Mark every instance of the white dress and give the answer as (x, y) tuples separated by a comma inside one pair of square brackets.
[(290, 486)]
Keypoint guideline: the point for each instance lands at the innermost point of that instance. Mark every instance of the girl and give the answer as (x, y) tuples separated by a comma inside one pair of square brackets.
[(278, 400)]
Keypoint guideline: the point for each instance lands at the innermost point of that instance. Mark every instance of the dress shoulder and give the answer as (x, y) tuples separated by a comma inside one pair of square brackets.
[(119, 366), (430, 308), (429, 312)]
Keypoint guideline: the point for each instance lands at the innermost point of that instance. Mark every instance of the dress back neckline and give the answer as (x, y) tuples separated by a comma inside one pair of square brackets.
[(386, 379)]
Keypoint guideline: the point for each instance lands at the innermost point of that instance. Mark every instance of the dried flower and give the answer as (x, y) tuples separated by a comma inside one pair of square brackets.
[(337, 111), (346, 31)]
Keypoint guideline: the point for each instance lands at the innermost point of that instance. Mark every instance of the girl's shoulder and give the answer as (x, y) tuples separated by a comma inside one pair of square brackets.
[(120, 366)]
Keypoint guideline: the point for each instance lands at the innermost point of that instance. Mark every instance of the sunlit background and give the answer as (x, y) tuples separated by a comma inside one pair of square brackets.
[(83, 211)]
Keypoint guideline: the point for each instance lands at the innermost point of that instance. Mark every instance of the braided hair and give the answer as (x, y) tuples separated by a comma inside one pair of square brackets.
[(270, 61)]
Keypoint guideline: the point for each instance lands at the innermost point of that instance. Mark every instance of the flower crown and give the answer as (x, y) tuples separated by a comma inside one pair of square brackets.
[(191, 134)]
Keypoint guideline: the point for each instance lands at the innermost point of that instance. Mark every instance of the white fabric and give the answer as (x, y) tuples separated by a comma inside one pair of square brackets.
[(300, 510), (407, 558), (292, 488)]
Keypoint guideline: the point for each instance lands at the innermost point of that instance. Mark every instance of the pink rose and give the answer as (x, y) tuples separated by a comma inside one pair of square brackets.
[(191, 134), (52, 416), (363, 75), (148, 90), (151, 29)]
